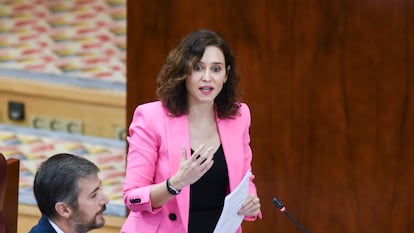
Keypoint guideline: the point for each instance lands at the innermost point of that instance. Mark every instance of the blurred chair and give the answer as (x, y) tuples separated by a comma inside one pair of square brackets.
[(3, 176), (9, 192)]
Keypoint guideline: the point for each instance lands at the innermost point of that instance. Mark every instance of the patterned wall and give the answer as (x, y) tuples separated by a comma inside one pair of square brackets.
[(80, 38)]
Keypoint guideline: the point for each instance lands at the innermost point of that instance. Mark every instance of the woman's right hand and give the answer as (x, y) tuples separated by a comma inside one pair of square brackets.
[(194, 168)]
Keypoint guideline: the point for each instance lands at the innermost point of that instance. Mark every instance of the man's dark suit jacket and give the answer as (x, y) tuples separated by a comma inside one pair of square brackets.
[(43, 226)]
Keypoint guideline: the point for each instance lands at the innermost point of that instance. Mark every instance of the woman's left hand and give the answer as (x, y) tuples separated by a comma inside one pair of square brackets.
[(251, 206)]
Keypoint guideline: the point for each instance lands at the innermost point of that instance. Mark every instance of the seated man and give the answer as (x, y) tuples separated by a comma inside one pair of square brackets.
[(69, 195)]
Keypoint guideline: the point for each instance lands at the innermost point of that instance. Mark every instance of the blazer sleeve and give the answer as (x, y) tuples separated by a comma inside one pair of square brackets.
[(141, 160)]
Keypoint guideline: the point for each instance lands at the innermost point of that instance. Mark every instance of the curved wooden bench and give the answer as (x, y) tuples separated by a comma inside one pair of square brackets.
[(9, 192)]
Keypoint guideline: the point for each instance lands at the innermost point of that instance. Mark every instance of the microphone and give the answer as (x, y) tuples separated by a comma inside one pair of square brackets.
[(283, 209)]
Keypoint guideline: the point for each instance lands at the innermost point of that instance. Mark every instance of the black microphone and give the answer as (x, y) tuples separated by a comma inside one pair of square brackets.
[(283, 209)]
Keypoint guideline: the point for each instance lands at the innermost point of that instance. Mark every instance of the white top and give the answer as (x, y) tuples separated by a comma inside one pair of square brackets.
[(57, 229)]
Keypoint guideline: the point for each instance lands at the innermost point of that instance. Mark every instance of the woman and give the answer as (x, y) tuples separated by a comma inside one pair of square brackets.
[(191, 148)]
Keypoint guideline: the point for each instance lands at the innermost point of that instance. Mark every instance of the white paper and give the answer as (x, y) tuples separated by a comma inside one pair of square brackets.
[(229, 220)]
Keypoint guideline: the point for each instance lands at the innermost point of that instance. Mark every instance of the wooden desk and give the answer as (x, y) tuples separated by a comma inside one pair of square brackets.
[(100, 113)]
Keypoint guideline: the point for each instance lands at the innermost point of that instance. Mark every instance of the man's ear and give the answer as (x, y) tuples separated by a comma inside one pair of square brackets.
[(63, 209)]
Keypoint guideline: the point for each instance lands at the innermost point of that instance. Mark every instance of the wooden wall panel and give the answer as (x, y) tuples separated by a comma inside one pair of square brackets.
[(330, 86)]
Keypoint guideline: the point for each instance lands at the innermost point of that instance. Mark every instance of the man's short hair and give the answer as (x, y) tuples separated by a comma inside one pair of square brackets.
[(57, 181)]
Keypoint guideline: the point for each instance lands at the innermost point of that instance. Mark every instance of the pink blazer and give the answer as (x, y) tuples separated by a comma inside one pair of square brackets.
[(154, 154)]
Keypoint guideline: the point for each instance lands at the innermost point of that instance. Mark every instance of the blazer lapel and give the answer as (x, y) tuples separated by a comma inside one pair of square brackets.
[(178, 136), (233, 150)]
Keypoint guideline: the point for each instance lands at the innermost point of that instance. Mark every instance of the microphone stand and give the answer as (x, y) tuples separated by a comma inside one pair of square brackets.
[(283, 209)]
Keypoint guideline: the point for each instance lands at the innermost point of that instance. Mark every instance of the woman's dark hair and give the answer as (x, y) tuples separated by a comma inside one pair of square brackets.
[(171, 87), (57, 181)]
